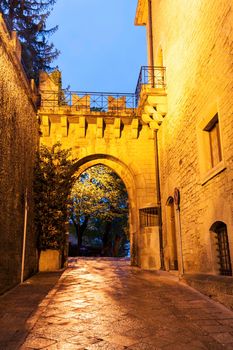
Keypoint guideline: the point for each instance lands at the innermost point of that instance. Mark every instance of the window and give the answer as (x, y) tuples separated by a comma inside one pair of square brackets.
[(209, 138), (214, 141), (222, 251), (148, 217)]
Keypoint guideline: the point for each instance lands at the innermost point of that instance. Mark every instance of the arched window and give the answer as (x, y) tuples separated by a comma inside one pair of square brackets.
[(219, 230)]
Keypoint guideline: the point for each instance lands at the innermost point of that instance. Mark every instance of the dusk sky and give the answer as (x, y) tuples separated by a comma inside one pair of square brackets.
[(101, 48)]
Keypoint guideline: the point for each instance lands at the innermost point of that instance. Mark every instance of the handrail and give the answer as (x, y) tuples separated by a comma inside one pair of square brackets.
[(153, 77), (89, 101)]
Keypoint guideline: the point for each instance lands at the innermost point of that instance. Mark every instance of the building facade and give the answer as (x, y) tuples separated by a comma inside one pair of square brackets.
[(192, 40)]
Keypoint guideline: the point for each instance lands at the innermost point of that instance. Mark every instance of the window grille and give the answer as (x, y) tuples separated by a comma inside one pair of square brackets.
[(148, 216), (223, 251)]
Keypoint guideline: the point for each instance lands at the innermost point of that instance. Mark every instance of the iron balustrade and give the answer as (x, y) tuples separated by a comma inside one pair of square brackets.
[(89, 101), (151, 76), (223, 250), (149, 217)]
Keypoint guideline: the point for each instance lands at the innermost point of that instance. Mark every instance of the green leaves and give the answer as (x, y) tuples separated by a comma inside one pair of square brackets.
[(99, 209), (99, 192), (53, 180)]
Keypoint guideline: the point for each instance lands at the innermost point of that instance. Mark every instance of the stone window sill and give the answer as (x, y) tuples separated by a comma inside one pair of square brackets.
[(213, 172)]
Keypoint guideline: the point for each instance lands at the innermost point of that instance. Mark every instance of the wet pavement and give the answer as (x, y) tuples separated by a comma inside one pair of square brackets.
[(106, 304)]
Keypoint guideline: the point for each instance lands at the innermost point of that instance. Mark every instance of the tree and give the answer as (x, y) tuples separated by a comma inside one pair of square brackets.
[(28, 18), (99, 198), (53, 181)]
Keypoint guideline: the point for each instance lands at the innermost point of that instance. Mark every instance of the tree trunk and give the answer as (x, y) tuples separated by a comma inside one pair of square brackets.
[(116, 245), (107, 243), (79, 229)]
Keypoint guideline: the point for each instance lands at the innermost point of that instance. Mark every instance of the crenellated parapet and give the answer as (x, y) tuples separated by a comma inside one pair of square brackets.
[(12, 46), (99, 125)]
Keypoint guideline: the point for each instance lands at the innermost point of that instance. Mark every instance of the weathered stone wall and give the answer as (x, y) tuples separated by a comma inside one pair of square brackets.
[(196, 40), (18, 143)]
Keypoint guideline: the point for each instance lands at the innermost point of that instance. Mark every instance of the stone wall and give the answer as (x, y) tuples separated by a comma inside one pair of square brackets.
[(18, 143), (196, 41)]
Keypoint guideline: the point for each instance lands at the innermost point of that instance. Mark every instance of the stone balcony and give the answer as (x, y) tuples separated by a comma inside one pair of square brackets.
[(151, 95)]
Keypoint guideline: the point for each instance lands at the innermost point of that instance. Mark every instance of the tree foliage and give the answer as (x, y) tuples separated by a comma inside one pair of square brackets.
[(28, 18), (99, 201), (53, 181)]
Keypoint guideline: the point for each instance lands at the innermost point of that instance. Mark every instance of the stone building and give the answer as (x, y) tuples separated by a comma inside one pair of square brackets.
[(170, 142), (106, 129), (18, 143), (192, 40)]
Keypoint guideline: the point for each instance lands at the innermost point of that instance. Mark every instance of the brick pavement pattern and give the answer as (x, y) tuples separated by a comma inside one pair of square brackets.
[(107, 304)]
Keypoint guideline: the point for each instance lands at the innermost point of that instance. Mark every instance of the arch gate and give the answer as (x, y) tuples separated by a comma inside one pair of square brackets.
[(112, 134)]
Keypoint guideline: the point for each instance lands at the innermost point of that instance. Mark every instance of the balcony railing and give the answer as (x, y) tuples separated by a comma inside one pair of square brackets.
[(114, 103), (151, 76), (89, 101)]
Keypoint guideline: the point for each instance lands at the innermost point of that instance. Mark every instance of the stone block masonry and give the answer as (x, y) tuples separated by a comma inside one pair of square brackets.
[(18, 143), (196, 41), (121, 141)]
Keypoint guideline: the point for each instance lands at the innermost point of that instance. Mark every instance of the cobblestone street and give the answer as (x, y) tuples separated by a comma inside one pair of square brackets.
[(106, 304)]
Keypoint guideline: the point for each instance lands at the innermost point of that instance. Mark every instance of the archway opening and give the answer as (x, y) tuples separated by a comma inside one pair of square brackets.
[(99, 214)]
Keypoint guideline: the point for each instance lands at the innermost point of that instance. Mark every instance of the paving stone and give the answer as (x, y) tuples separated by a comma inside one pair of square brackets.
[(38, 342), (105, 345), (143, 346), (217, 329), (106, 304), (223, 338)]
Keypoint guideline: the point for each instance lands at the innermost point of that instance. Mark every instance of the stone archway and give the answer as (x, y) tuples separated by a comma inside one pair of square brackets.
[(128, 178)]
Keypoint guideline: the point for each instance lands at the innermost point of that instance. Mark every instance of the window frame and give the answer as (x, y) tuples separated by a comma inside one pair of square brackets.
[(209, 168), (212, 126)]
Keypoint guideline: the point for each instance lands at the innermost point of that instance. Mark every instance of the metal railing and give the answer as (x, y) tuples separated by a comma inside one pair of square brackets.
[(89, 101), (151, 76), (149, 216), (114, 103)]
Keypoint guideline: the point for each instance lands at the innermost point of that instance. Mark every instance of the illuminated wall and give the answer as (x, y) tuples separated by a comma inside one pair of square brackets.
[(193, 39), (18, 142)]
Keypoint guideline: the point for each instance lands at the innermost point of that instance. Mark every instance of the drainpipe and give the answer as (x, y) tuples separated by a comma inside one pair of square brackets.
[(151, 47), (24, 236), (180, 239), (157, 173), (177, 203)]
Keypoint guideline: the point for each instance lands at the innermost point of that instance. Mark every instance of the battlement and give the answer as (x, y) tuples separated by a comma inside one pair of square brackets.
[(12, 47), (53, 99)]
